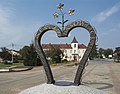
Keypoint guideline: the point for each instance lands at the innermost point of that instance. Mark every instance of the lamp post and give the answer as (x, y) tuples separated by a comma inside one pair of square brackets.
[(12, 52), (56, 14)]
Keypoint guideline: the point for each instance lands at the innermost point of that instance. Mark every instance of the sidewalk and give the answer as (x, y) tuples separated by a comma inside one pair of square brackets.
[(105, 77)]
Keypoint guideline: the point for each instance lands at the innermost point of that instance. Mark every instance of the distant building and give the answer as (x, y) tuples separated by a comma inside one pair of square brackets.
[(110, 56), (14, 52), (72, 52)]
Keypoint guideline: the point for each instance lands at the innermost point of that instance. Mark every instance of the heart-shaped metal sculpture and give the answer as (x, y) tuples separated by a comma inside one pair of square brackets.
[(65, 33)]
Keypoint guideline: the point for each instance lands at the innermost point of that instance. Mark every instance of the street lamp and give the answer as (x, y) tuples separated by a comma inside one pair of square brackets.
[(56, 15), (12, 52)]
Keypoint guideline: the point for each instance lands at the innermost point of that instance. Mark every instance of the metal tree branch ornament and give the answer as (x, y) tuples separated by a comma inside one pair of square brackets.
[(64, 32)]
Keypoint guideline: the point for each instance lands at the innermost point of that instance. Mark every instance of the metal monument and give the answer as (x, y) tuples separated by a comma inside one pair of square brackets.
[(64, 32)]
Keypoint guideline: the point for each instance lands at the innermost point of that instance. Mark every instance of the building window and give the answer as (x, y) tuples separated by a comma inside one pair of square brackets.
[(74, 45), (66, 56), (70, 51), (65, 51), (74, 51), (83, 51)]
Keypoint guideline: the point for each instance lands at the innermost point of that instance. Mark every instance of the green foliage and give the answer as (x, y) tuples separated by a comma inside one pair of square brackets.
[(108, 52), (17, 59), (117, 54), (93, 54), (4, 54), (8, 64), (54, 53), (101, 52), (29, 56), (64, 61), (105, 52)]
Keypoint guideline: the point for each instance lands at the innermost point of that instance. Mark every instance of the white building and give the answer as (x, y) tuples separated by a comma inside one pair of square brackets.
[(72, 52), (15, 53)]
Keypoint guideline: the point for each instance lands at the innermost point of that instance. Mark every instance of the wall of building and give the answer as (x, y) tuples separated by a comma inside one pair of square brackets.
[(69, 54)]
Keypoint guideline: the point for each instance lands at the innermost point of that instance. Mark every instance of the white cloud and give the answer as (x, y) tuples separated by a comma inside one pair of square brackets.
[(111, 31), (10, 32), (105, 14), (5, 24), (119, 25), (5, 14), (103, 34), (14, 33)]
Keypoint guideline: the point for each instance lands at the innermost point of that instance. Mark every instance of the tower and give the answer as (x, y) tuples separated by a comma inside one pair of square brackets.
[(74, 45)]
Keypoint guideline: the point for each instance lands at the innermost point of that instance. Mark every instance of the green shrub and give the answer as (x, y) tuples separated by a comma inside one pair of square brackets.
[(64, 61), (32, 62), (8, 63)]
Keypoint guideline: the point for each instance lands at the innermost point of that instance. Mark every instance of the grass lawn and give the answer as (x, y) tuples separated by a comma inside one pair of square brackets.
[(9, 65)]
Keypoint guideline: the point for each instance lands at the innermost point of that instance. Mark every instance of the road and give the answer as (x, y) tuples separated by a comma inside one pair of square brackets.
[(100, 74)]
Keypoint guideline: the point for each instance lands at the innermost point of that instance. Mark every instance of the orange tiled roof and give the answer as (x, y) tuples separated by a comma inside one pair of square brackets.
[(82, 46), (62, 46)]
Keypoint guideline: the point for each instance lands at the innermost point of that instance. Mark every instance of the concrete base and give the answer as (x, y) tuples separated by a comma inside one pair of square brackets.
[(61, 87)]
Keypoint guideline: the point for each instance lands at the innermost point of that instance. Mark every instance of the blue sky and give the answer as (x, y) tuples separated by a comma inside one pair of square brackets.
[(20, 20)]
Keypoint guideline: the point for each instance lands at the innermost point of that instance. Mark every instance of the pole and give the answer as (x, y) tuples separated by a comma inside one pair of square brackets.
[(12, 52), (62, 21)]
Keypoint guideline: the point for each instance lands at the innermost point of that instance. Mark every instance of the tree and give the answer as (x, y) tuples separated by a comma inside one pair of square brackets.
[(108, 52), (105, 52), (4, 54), (101, 52), (29, 56), (54, 53), (93, 53), (117, 54)]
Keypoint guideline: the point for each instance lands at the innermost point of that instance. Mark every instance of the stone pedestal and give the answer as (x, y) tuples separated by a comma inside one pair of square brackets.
[(61, 87)]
